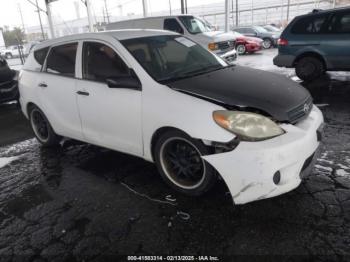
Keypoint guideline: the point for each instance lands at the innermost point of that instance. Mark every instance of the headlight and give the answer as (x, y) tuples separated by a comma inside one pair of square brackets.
[(247, 126), (213, 46)]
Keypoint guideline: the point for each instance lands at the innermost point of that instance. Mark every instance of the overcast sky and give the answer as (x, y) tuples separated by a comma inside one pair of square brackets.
[(64, 10)]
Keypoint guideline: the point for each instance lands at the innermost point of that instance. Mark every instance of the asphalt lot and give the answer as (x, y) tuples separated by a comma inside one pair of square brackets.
[(84, 202)]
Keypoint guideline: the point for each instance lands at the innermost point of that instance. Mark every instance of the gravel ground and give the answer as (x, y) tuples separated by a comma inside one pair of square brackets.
[(87, 203)]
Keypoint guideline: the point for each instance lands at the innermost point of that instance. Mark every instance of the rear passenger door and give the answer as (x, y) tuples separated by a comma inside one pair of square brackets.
[(57, 90), (338, 40)]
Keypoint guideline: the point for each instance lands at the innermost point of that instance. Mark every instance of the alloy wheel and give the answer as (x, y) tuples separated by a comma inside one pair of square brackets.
[(40, 125), (182, 163)]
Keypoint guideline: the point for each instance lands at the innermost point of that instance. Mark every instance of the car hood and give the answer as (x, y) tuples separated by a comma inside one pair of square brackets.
[(249, 88), (254, 39), (220, 36)]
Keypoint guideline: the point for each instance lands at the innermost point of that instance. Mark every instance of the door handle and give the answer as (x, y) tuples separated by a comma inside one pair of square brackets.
[(83, 93), (42, 84)]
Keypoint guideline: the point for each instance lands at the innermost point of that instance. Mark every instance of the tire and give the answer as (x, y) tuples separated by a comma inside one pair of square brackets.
[(42, 128), (309, 68), (8, 55), (267, 43), (241, 49), (169, 148)]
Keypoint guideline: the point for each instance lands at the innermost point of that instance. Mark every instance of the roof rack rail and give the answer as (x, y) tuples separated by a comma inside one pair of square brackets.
[(316, 11)]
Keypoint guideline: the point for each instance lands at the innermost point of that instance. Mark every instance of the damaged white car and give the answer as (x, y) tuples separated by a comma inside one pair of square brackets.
[(160, 96)]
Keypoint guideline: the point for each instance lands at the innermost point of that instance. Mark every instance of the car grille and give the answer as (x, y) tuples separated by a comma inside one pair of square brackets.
[(300, 112), (226, 45)]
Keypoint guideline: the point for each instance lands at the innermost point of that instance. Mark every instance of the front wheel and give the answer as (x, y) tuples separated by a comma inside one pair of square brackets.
[(241, 49), (42, 128), (179, 161)]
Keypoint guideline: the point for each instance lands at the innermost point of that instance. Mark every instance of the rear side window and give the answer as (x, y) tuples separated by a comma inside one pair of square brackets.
[(310, 25), (36, 60), (40, 55), (172, 24), (101, 62), (61, 60), (340, 23)]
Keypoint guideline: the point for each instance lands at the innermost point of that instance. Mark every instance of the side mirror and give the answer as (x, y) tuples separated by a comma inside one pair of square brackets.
[(128, 82)]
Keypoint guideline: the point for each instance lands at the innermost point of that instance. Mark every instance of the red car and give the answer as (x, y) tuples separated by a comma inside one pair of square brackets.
[(247, 44)]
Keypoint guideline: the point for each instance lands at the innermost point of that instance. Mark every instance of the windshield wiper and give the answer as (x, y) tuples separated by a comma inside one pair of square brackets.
[(200, 71)]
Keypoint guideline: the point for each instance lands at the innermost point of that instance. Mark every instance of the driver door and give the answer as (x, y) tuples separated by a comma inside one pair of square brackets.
[(111, 117)]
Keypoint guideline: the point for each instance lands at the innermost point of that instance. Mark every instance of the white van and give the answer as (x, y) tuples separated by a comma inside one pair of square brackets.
[(219, 42)]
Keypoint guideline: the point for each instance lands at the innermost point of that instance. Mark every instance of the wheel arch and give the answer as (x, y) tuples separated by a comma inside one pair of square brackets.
[(310, 54), (158, 133)]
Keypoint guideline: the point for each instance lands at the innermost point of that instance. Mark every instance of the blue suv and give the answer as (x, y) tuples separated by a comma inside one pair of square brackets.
[(315, 43)]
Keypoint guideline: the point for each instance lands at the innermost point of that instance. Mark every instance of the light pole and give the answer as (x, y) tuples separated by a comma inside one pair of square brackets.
[(145, 8), (226, 16), (49, 17), (88, 9)]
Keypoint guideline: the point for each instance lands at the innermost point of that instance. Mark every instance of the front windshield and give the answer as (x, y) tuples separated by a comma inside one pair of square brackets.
[(260, 29), (194, 25), (168, 58), (271, 28)]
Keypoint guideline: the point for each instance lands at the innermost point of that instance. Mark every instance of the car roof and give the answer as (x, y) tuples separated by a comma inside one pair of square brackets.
[(326, 11), (122, 34)]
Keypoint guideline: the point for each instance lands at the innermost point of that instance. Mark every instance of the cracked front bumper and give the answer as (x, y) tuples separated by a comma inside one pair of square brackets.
[(248, 170)]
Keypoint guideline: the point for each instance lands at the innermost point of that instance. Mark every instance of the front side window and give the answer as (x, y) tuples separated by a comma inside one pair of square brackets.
[(61, 60), (310, 25), (340, 24), (171, 24), (194, 25), (168, 58), (260, 29), (101, 62)]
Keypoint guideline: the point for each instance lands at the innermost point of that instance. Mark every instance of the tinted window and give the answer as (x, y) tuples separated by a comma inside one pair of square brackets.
[(61, 60), (340, 23), (167, 58), (249, 31), (101, 62), (194, 25), (309, 25), (40, 55), (240, 30), (173, 25)]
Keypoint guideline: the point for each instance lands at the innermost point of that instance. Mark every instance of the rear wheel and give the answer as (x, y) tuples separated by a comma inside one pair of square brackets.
[(179, 160), (309, 68), (241, 49), (42, 128)]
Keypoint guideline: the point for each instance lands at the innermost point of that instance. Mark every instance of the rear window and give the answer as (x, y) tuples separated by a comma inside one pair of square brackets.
[(36, 60), (310, 25)]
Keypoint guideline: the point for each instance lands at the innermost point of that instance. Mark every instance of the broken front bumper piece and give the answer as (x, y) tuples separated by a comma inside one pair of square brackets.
[(259, 170)]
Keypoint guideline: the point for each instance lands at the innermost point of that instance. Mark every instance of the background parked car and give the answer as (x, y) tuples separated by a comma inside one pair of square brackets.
[(316, 43), (11, 51), (273, 29), (8, 83), (219, 42), (269, 39), (247, 44)]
